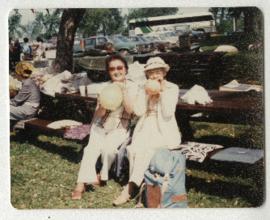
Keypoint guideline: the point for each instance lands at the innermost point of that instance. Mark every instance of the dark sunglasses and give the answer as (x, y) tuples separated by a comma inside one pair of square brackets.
[(116, 68)]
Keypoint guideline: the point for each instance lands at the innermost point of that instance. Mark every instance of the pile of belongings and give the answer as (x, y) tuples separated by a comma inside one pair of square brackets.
[(50, 82), (197, 95), (136, 73), (64, 82), (66, 123)]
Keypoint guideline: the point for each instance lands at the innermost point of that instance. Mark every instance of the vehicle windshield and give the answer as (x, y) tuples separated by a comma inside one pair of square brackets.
[(143, 39), (121, 38), (162, 36), (170, 34)]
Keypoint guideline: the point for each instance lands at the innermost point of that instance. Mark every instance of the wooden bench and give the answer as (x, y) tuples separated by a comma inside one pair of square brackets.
[(40, 126)]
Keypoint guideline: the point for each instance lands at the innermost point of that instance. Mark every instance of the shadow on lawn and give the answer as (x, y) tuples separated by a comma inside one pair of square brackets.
[(228, 190), (67, 152), (252, 186)]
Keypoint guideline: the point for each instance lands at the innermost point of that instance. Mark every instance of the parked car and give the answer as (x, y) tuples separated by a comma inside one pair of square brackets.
[(198, 34), (157, 42), (144, 45), (123, 44), (170, 36), (97, 45)]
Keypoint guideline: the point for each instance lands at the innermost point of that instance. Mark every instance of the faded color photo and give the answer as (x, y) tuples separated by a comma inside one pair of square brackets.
[(137, 108)]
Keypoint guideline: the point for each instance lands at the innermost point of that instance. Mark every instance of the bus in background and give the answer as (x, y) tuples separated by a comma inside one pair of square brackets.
[(202, 21)]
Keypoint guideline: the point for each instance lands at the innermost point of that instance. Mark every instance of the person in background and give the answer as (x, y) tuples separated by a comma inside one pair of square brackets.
[(156, 129), (25, 104), (11, 54), (17, 52), (108, 131), (39, 49), (26, 50)]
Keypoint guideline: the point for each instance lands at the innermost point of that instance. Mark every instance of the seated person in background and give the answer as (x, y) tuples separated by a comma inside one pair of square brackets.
[(156, 128), (25, 104), (26, 50), (109, 129)]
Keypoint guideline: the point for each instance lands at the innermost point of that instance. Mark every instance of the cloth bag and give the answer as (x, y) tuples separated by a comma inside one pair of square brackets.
[(165, 180)]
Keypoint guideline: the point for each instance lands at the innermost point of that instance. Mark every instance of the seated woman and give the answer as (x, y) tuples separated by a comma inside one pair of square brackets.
[(25, 104), (108, 131), (156, 128)]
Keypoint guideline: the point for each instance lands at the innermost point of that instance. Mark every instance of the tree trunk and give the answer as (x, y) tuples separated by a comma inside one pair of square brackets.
[(64, 52), (253, 20)]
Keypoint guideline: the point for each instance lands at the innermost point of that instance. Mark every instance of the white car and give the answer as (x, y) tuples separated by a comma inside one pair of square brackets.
[(171, 37)]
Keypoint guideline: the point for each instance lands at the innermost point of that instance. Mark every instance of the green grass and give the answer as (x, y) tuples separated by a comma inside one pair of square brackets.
[(44, 172)]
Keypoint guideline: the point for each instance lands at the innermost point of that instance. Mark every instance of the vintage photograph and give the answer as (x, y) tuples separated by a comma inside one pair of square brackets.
[(137, 108)]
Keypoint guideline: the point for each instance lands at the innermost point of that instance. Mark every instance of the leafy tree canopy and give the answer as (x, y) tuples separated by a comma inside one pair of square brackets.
[(151, 12), (101, 20), (14, 25), (46, 24)]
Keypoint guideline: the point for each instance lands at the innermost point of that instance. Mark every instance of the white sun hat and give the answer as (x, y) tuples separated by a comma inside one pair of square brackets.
[(155, 63)]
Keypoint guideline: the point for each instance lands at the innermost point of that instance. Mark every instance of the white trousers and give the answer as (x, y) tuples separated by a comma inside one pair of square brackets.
[(139, 160), (144, 145), (104, 144)]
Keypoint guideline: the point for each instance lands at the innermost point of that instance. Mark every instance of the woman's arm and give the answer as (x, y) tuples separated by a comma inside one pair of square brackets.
[(169, 100), (129, 96), (140, 103), (22, 95)]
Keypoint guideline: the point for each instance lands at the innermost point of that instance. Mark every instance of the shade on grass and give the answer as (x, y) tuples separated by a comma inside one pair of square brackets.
[(44, 172)]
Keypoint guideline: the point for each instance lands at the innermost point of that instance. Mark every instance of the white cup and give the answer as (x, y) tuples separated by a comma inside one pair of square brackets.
[(82, 89)]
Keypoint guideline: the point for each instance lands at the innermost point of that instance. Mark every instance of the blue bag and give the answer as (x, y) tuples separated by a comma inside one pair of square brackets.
[(165, 180)]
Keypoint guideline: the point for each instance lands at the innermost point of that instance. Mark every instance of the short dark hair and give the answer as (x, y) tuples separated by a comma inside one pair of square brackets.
[(115, 57), (25, 40)]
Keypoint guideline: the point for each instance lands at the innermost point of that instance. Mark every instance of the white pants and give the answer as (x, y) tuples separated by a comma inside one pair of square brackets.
[(144, 145), (104, 144), (139, 160)]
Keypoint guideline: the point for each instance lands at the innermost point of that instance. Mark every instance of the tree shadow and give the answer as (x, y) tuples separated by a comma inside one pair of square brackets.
[(67, 152), (227, 190)]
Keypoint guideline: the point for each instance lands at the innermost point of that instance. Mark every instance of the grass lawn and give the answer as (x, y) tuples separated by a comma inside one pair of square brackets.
[(44, 172)]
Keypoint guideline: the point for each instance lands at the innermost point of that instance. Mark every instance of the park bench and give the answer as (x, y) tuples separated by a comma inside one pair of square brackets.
[(227, 107)]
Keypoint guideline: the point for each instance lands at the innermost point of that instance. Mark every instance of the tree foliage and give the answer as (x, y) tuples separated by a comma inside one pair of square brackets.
[(252, 18), (14, 25), (150, 12), (101, 20), (46, 24)]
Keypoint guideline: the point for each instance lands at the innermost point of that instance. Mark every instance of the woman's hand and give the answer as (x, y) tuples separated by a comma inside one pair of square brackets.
[(154, 98), (100, 112), (162, 84)]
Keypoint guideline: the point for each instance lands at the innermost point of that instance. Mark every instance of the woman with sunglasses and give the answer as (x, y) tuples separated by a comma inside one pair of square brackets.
[(108, 131), (156, 129)]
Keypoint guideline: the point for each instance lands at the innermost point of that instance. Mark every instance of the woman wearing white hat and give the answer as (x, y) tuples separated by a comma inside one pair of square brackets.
[(156, 128)]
